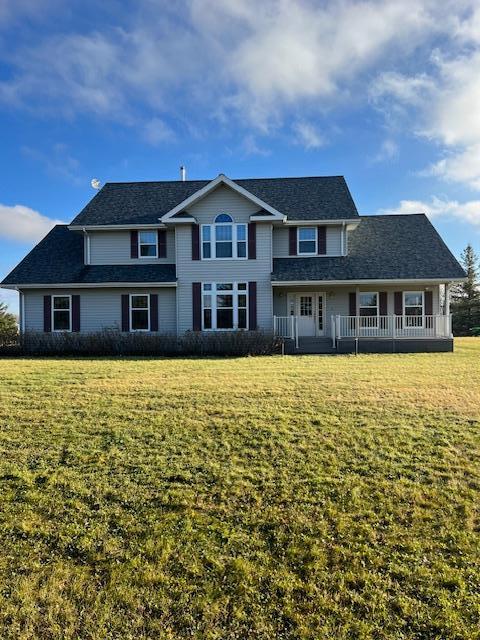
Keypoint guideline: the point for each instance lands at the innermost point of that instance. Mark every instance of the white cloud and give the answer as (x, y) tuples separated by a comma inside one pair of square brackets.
[(388, 151), (308, 135), (253, 59), (250, 147), (22, 224), (156, 132), (440, 207)]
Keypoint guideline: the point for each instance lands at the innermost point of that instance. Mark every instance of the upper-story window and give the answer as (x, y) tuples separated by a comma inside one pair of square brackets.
[(224, 239), (307, 241), (147, 244)]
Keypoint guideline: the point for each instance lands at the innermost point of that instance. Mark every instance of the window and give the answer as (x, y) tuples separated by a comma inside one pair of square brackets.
[(307, 240), (224, 305), (147, 244), (368, 304), (413, 308), (62, 313), (224, 239), (139, 312)]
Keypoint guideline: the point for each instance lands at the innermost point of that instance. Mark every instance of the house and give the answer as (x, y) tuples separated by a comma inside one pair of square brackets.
[(284, 255)]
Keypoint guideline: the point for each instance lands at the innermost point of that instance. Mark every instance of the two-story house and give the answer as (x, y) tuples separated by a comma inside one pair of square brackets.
[(285, 255)]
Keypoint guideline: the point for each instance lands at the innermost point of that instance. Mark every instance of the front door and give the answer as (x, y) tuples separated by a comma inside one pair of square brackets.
[(310, 310)]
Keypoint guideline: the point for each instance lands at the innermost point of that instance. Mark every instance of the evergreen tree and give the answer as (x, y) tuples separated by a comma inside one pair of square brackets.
[(466, 296), (8, 324)]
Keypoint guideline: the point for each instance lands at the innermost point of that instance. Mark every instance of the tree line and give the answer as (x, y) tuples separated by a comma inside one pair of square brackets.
[(465, 297)]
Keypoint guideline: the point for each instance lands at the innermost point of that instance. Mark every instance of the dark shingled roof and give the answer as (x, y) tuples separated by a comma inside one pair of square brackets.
[(380, 248), (58, 259), (322, 198)]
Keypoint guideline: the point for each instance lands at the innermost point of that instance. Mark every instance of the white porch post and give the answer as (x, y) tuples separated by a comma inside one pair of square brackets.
[(446, 308)]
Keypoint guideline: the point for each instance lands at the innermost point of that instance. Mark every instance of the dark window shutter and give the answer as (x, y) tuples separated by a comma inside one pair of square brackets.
[(125, 312), (134, 244), (197, 305), (322, 240), (76, 313), (252, 306), (292, 241), (352, 303), (47, 313), (195, 242), (252, 241), (383, 303), (153, 312), (162, 243), (428, 303), (398, 303)]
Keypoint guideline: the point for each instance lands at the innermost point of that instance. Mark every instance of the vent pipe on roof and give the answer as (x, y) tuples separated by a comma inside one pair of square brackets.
[(183, 173)]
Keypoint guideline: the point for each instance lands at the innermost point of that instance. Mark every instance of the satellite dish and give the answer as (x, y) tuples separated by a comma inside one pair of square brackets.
[(95, 183)]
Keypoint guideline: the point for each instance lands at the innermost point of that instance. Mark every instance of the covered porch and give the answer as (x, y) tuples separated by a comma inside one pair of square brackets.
[(406, 316)]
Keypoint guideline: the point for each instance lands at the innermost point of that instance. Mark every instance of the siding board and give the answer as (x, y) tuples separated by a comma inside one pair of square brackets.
[(113, 247)]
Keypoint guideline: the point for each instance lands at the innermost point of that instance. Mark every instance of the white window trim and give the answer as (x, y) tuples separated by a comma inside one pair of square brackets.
[(307, 253), (369, 293), (422, 293), (235, 293), (147, 309), (69, 330), (213, 246), (147, 244)]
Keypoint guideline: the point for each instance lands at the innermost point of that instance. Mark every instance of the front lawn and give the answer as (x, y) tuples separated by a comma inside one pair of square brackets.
[(263, 498)]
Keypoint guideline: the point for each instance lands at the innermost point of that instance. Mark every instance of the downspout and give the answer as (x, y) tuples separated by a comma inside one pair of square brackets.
[(87, 246), (342, 238)]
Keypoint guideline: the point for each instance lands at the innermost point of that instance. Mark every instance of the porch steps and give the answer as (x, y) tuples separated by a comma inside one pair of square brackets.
[(310, 345)]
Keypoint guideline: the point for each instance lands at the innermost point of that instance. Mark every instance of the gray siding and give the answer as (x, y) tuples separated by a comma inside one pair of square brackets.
[(281, 235), (224, 200), (100, 308), (113, 247)]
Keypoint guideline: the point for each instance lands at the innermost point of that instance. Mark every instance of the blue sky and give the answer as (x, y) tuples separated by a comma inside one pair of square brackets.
[(385, 93)]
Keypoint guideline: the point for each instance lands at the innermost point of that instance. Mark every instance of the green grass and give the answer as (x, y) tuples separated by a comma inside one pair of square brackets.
[(263, 498)]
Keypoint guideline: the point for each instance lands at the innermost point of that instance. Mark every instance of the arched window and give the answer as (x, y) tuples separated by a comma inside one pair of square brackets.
[(224, 239), (222, 218)]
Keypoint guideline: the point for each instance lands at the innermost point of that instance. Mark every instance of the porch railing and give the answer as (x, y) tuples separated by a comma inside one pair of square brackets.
[(435, 326), (286, 327)]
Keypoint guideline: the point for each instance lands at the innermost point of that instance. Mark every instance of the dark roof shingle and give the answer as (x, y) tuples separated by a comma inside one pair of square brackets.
[(321, 198), (380, 248), (58, 259)]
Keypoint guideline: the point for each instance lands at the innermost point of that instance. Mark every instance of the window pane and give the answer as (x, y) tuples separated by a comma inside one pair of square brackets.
[(242, 286), (242, 249), (242, 318), (242, 300), (139, 320), (225, 319), (368, 311), (207, 318), (241, 232), (61, 303), (147, 237), (223, 217), (61, 320), (306, 233), (207, 301), (306, 306), (207, 251), (139, 302), (223, 232), (413, 311), (206, 233), (148, 250), (306, 247), (368, 299), (224, 287), (207, 286), (224, 301), (224, 249), (413, 299)]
